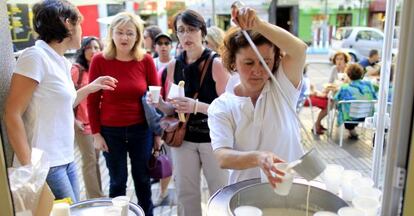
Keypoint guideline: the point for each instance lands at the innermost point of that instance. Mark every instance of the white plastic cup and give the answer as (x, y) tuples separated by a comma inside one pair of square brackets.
[(61, 209), (283, 188), (325, 213), (332, 177), (350, 211), (123, 203), (113, 211), (347, 188), (247, 211), (361, 182), (155, 93), (369, 206), (368, 192)]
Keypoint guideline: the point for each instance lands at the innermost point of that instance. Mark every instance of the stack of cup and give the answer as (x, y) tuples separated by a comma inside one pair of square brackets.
[(361, 182), (368, 192), (369, 206), (123, 203), (347, 188), (332, 177)]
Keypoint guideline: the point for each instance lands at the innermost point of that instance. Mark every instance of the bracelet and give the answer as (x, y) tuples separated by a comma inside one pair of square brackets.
[(195, 106)]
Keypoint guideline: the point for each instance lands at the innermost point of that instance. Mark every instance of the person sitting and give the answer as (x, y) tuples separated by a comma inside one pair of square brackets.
[(356, 89), (317, 98), (370, 64)]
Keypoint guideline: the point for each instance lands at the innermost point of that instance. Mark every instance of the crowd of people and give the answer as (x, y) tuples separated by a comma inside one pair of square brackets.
[(239, 121)]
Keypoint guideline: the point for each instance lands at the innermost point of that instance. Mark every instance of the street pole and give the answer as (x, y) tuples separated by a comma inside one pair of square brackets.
[(213, 15)]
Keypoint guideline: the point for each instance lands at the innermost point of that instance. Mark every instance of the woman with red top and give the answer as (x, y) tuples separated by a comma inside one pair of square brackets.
[(83, 135), (117, 119)]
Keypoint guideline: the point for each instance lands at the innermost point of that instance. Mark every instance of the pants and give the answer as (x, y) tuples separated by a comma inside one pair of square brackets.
[(90, 164), (63, 181), (136, 140), (188, 161)]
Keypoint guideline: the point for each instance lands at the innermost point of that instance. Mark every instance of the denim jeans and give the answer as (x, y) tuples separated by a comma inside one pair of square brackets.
[(137, 141), (63, 181)]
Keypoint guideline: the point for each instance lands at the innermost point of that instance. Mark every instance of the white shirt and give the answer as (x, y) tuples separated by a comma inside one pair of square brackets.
[(270, 126), (160, 65), (49, 119)]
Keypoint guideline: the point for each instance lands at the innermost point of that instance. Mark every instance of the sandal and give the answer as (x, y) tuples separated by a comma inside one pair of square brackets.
[(319, 130)]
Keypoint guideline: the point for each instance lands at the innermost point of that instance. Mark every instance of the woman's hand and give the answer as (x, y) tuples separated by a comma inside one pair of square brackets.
[(99, 142), (245, 17), (184, 104), (267, 161), (102, 83), (150, 102)]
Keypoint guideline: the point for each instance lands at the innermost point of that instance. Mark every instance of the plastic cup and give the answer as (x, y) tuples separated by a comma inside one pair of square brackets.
[(361, 182), (155, 93), (347, 189), (283, 188), (113, 211), (368, 192), (123, 203), (247, 211), (350, 211), (61, 209), (368, 205), (325, 213), (332, 177)]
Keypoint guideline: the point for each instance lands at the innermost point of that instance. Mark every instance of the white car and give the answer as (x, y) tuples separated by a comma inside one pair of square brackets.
[(358, 41)]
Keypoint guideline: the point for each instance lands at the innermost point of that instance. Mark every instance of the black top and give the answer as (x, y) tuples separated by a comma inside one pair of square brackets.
[(197, 128)]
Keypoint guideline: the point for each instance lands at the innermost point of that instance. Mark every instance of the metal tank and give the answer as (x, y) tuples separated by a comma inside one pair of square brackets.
[(254, 193)]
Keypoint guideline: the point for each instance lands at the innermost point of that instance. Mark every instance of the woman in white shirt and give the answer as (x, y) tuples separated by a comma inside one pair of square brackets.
[(39, 107), (253, 127)]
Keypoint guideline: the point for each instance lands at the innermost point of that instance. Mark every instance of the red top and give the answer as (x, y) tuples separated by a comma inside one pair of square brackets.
[(81, 110), (121, 107)]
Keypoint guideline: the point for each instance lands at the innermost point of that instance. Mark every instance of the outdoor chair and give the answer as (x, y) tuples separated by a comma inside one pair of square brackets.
[(359, 109)]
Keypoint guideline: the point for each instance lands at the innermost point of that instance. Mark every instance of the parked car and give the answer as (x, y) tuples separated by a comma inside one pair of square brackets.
[(358, 41)]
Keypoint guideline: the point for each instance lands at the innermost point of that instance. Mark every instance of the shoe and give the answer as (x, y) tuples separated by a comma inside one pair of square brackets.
[(319, 130), (353, 135), (323, 128), (161, 197)]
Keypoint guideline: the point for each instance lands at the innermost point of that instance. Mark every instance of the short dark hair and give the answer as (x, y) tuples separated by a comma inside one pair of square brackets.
[(80, 53), (373, 52), (49, 17), (234, 40), (153, 31), (354, 71), (191, 18)]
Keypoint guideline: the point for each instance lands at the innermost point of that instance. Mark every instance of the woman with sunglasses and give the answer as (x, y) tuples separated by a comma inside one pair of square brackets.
[(83, 134), (195, 154)]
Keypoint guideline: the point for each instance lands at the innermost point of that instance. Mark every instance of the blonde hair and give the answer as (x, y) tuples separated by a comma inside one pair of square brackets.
[(120, 19), (216, 35)]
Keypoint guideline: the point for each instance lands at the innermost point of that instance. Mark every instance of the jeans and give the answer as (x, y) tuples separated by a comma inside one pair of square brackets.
[(137, 141), (63, 181)]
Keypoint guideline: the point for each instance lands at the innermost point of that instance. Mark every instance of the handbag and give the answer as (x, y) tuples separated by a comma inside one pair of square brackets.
[(174, 129), (160, 166)]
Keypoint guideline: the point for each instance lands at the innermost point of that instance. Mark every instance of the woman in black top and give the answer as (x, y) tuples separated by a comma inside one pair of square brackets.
[(195, 152)]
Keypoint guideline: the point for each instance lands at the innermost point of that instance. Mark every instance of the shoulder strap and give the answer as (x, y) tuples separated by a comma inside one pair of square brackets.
[(204, 70)]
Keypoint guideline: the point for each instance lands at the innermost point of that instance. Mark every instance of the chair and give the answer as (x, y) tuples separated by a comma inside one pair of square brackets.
[(358, 109), (301, 104)]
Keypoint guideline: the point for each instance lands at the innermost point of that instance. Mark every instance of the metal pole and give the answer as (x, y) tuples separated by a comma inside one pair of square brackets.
[(383, 90)]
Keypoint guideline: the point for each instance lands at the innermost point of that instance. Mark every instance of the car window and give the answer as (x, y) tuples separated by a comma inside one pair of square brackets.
[(342, 33), (369, 35), (376, 36)]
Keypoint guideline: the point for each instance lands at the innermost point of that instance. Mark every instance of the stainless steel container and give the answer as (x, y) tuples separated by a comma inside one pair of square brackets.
[(254, 193), (95, 207)]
